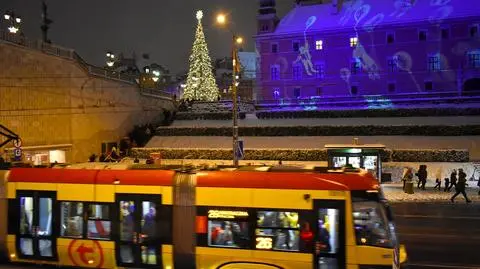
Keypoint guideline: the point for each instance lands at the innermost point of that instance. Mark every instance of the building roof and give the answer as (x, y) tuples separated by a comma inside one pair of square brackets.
[(371, 13)]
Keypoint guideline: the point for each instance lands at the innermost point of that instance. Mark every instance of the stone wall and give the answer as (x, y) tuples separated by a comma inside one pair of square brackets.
[(49, 100)]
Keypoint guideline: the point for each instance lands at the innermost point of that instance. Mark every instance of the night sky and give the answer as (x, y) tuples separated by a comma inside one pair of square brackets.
[(162, 28)]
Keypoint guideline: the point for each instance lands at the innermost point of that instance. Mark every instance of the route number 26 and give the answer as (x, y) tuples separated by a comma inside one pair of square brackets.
[(264, 243)]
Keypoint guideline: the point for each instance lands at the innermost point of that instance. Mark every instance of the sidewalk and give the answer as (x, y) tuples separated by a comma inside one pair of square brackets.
[(394, 193)]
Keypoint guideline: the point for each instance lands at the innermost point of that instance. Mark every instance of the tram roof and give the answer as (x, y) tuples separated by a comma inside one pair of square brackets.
[(267, 177)]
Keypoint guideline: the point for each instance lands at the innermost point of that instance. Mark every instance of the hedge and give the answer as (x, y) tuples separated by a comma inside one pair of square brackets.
[(207, 116), (363, 130), (424, 155), (397, 112)]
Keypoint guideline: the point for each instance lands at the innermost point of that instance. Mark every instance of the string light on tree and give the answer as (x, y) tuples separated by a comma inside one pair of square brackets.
[(201, 83)]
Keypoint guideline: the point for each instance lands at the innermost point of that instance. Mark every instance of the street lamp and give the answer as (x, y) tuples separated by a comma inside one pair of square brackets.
[(14, 22), (110, 59), (236, 41)]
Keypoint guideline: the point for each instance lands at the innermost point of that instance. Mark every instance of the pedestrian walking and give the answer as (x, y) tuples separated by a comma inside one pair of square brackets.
[(478, 185), (447, 183), (407, 177), (438, 179), (453, 179), (460, 186), (422, 176)]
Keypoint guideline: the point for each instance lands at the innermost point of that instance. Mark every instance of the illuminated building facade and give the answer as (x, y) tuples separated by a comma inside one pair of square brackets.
[(368, 47)]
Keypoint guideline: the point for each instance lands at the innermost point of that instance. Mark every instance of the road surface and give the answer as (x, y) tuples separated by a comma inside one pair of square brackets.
[(440, 235)]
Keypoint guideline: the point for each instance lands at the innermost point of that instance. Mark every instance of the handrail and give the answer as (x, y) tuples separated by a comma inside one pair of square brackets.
[(65, 53)]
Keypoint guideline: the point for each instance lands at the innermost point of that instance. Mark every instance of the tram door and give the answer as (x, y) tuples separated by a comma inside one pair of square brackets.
[(35, 238), (137, 243), (330, 234)]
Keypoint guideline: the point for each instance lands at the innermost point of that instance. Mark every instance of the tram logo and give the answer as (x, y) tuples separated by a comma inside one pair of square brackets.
[(86, 253)]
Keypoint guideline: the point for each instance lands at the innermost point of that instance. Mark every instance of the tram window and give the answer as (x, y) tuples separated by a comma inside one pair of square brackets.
[(99, 224), (26, 215), (277, 230), (223, 233), (372, 226), (71, 219), (328, 230)]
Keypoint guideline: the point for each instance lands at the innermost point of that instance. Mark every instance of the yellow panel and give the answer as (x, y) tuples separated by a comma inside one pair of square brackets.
[(403, 254), (96, 253), (351, 255), (350, 233), (214, 257), (224, 197), (36, 186), (11, 190), (138, 189), (281, 199), (167, 193), (105, 193), (167, 248), (167, 256), (279, 255), (75, 192), (374, 255), (223, 252)]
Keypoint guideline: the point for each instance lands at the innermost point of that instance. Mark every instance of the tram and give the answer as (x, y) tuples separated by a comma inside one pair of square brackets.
[(262, 217)]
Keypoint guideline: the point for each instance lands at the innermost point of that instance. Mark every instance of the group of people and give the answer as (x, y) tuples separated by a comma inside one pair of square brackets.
[(457, 180)]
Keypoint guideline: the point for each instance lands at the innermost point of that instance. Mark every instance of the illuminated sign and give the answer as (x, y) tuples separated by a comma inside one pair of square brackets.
[(264, 243), (224, 214)]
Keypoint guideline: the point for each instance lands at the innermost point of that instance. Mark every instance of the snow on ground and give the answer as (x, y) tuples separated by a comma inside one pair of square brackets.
[(253, 122), (394, 193)]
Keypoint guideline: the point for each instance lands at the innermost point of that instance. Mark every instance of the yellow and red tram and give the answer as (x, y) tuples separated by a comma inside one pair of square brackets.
[(252, 217)]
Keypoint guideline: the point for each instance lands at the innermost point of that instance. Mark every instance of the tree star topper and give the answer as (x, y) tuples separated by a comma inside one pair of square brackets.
[(199, 15)]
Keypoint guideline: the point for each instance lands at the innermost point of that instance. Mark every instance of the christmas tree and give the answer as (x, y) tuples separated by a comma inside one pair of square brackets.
[(201, 83)]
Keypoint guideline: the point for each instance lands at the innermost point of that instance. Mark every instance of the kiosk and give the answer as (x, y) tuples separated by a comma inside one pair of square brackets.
[(367, 156)]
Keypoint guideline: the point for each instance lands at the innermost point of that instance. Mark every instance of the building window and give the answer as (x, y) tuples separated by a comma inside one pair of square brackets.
[(434, 63), (428, 85), (319, 91), (275, 72), (356, 66), (390, 38), (296, 92), (320, 68), (474, 30), (392, 63), (473, 59), (422, 35), (391, 87), (319, 45), (297, 72), (354, 89), (445, 32), (274, 48), (353, 41), (277, 231), (276, 93), (296, 46)]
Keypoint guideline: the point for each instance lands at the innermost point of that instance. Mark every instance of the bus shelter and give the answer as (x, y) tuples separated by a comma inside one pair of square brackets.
[(366, 156)]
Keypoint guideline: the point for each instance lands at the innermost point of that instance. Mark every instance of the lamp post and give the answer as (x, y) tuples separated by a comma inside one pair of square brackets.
[(236, 40), (14, 21), (110, 59)]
